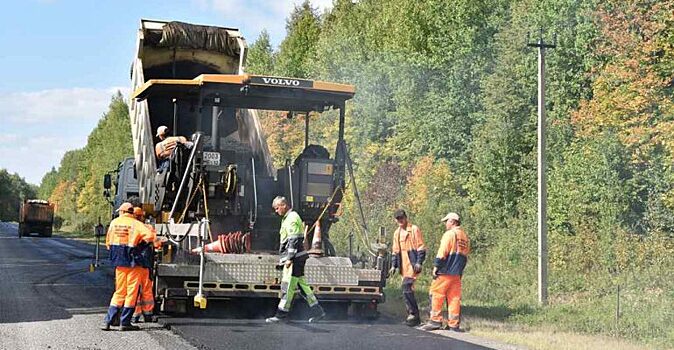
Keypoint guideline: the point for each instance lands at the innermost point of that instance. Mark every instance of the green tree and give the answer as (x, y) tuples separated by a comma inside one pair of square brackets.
[(260, 58), (13, 190), (303, 29), (77, 186), (48, 183)]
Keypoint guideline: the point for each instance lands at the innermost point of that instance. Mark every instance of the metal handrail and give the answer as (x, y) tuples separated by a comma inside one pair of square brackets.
[(182, 182), (252, 222)]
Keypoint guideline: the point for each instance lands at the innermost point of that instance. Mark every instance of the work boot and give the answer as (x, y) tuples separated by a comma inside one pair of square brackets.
[(149, 318), (280, 316), (320, 314), (135, 319), (275, 319), (105, 326), (453, 329), (130, 327), (112, 317), (430, 326), (412, 320)]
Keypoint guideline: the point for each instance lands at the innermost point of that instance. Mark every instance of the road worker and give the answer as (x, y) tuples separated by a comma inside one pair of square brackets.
[(293, 259), (125, 233), (143, 255), (447, 271), (167, 144), (409, 253)]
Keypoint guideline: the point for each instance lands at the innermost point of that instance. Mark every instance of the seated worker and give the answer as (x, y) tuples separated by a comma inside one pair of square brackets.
[(167, 145)]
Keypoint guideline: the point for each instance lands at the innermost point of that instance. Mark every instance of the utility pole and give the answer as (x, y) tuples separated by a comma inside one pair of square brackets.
[(542, 186)]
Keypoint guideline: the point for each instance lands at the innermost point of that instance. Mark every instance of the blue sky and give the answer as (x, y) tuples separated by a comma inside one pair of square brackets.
[(61, 61)]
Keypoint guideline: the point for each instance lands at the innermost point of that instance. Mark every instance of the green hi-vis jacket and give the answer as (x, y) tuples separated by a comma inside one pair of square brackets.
[(292, 237)]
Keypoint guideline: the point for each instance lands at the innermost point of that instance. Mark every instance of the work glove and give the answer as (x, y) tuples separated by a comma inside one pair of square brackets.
[(392, 272), (417, 268)]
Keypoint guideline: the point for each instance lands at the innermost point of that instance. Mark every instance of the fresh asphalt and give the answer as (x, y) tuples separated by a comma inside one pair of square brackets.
[(49, 299)]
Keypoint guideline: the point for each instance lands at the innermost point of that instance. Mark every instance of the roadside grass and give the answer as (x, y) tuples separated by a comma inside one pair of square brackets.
[(551, 339), (582, 320), (77, 234)]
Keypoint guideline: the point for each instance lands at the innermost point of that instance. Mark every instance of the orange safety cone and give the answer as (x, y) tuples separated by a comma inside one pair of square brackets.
[(316, 243), (213, 247)]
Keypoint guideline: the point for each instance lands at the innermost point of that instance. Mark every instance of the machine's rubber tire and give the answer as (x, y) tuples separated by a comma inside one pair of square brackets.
[(46, 232), (20, 230)]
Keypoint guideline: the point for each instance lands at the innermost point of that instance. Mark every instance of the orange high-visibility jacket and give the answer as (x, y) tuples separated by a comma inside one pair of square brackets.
[(143, 253), (452, 253), (164, 148), (124, 234), (408, 250)]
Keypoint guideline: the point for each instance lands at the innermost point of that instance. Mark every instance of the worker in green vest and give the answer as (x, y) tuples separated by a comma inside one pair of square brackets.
[(293, 259)]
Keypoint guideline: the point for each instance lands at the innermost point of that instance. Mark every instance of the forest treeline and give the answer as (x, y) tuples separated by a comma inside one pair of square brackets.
[(13, 190), (76, 187), (444, 118)]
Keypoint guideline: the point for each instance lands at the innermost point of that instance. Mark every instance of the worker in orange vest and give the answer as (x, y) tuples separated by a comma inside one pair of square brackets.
[(167, 144), (409, 254), (447, 271), (143, 255), (125, 233)]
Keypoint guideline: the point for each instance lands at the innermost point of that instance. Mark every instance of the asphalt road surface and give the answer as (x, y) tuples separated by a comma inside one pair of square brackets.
[(50, 300)]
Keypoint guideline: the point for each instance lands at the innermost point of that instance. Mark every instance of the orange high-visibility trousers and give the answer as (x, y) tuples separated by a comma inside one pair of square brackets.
[(145, 305), (446, 287), (127, 284)]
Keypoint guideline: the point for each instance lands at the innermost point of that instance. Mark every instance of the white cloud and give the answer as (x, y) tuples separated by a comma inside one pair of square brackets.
[(32, 157), (251, 16), (40, 126), (66, 105)]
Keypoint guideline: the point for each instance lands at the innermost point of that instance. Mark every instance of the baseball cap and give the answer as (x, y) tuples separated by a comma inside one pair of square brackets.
[(451, 216), (161, 130), (126, 207), (399, 214)]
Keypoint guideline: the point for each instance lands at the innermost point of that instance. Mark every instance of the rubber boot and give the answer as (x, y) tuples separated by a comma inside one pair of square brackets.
[(110, 317), (125, 320)]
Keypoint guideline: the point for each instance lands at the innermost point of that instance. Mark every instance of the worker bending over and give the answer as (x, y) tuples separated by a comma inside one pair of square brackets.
[(447, 271), (125, 233), (293, 259), (409, 254)]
